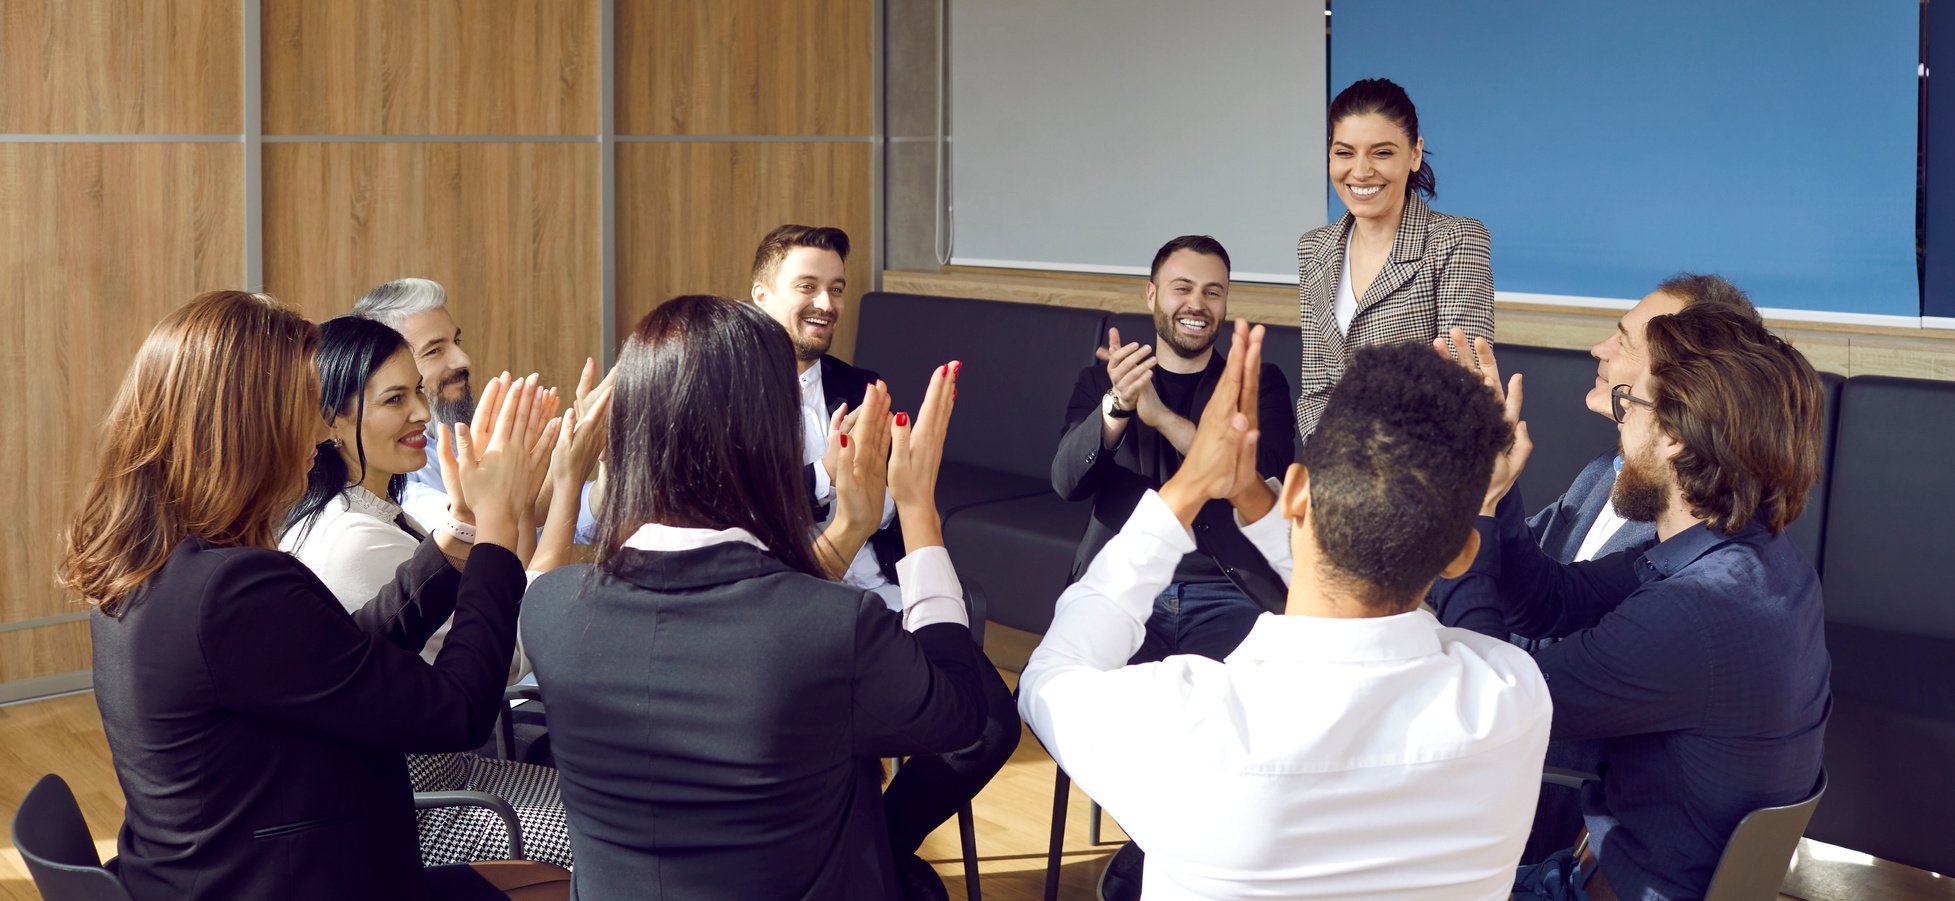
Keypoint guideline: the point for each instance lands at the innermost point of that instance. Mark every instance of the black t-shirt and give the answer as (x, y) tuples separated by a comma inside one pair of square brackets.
[(1177, 393)]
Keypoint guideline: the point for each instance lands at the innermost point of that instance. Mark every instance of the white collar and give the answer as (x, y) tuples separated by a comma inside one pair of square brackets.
[(360, 500), (811, 378), (654, 536), (1414, 633)]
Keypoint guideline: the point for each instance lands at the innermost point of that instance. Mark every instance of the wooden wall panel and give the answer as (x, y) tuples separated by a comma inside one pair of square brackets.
[(511, 230), (46, 651), (121, 66), (518, 67), (690, 215), (745, 67), (101, 240)]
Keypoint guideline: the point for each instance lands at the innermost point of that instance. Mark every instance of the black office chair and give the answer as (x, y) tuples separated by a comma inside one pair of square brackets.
[(54, 842), (1759, 851), (60, 855)]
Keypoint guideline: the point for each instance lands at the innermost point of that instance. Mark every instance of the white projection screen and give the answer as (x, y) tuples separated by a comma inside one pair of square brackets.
[(1085, 133)]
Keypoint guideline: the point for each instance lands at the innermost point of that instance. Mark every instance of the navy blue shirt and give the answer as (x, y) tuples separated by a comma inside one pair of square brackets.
[(1699, 662)]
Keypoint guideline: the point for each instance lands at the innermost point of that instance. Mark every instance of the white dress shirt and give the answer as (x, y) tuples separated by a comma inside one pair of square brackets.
[(930, 594), (355, 547), (863, 572), (1381, 758), (1607, 523)]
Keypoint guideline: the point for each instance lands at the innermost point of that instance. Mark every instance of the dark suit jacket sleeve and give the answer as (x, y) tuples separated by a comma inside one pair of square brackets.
[(1082, 460), (1276, 448), (1542, 597), (915, 692), (279, 646), (1465, 295), (408, 610)]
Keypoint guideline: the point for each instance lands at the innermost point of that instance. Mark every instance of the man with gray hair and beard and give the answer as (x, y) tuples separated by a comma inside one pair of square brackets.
[(418, 309)]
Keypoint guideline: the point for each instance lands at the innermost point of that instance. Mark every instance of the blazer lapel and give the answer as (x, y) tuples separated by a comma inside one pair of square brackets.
[(1408, 246), (1322, 292)]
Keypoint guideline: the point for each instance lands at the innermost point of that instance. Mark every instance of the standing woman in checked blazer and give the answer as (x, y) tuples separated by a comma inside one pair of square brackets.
[(1391, 269)]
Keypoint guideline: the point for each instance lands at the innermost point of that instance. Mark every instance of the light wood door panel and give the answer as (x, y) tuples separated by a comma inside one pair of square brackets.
[(745, 67), (511, 230), (439, 67), (691, 214), (102, 240), (121, 66)]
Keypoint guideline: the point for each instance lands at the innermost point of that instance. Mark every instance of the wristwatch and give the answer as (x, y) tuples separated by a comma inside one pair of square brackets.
[(1110, 405)]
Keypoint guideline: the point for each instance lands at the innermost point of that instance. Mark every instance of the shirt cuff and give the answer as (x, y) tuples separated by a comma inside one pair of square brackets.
[(824, 490), (931, 592), (1154, 519)]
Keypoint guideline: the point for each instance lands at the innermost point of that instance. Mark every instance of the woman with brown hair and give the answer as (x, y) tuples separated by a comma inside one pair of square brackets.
[(257, 727)]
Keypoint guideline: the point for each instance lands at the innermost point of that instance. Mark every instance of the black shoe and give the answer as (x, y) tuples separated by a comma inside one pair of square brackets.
[(1120, 881), (918, 881)]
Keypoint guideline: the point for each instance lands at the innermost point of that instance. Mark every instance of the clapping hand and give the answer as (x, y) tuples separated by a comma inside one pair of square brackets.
[(916, 452), (494, 456), (1477, 357), (1221, 461), (1130, 369), (861, 475)]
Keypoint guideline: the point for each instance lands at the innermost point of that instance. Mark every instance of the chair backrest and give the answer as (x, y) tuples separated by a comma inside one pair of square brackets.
[(1754, 860), (1021, 360), (54, 842)]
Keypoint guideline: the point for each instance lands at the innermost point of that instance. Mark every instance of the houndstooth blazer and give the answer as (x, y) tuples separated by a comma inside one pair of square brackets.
[(1439, 276)]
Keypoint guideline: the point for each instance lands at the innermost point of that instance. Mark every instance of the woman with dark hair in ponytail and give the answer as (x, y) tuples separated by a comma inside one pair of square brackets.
[(349, 529), (1390, 269)]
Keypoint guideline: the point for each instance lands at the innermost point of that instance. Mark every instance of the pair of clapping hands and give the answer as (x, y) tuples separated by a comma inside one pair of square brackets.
[(1477, 358), (495, 467), (1221, 460), (871, 450)]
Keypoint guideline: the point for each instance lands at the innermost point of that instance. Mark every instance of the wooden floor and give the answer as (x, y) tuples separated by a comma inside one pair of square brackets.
[(64, 735)]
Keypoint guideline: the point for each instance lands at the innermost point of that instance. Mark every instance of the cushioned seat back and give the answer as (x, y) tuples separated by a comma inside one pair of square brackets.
[(1891, 622), (1566, 433), (1888, 528), (1020, 360)]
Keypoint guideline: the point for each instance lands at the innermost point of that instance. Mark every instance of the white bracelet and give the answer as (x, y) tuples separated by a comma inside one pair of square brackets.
[(463, 532)]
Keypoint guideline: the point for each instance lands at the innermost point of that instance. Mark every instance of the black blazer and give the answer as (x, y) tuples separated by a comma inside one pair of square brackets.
[(1144, 460), (719, 720), (258, 728)]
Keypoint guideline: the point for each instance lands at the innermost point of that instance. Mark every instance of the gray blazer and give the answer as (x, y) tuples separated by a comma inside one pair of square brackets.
[(1439, 276)]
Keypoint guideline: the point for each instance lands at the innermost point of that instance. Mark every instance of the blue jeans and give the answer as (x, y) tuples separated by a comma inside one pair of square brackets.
[(1205, 618)]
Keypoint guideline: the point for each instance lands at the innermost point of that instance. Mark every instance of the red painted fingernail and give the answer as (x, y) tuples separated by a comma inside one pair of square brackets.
[(845, 441), (902, 419), (959, 364)]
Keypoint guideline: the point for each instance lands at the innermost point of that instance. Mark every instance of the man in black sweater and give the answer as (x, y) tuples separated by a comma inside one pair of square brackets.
[(1127, 426)]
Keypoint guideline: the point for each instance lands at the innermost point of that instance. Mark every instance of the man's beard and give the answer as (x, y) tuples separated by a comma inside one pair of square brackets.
[(809, 348), (1179, 343), (452, 410), (1640, 495)]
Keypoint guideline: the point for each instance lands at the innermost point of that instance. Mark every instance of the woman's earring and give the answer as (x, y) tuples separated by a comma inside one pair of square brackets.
[(338, 444)]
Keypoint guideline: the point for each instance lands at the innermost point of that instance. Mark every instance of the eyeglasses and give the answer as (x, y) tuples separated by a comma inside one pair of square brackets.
[(1620, 393)]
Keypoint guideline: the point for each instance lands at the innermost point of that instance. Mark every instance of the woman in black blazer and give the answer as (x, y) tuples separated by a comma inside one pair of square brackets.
[(719, 708), (1390, 269), (257, 727)]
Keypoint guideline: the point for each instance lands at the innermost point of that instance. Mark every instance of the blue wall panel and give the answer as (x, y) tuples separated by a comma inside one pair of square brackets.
[(1607, 145)]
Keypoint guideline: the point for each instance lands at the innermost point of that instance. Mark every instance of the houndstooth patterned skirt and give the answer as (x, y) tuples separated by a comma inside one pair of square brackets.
[(463, 834)]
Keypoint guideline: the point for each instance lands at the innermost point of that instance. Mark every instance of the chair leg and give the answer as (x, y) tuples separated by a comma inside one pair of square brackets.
[(967, 834), (1062, 786), (1093, 824)]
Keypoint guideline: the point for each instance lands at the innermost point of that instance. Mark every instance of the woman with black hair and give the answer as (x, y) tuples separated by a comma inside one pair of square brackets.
[(348, 528), (1390, 269), (720, 707)]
